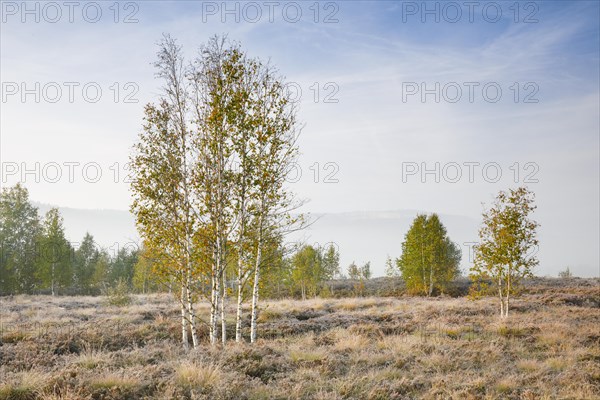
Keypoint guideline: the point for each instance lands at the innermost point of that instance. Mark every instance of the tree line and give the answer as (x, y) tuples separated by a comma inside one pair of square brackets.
[(37, 258)]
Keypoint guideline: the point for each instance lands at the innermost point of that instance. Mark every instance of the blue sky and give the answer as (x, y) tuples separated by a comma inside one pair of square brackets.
[(365, 61)]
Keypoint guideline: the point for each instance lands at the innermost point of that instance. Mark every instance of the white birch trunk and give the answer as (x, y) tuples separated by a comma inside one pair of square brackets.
[(430, 280), (303, 291), (253, 326), (213, 308), (53, 278), (507, 292), (223, 319), (240, 293), (240, 272), (501, 296), (184, 320), (191, 312)]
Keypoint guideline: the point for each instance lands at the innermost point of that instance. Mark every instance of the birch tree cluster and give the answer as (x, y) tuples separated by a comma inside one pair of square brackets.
[(209, 193)]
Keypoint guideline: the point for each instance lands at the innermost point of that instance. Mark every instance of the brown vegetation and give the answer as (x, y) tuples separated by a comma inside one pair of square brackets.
[(354, 348)]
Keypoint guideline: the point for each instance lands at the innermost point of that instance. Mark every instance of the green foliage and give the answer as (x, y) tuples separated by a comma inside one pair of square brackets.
[(307, 270), (276, 280), (145, 279), (100, 278), (478, 288), (209, 169), (331, 263), (36, 257), (123, 265), (84, 262), (20, 232), (429, 260), (325, 292), (214, 148), (162, 172), (119, 294), (353, 271), (55, 257)]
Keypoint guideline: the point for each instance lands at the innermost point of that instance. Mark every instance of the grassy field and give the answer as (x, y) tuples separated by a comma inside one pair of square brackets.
[(352, 348)]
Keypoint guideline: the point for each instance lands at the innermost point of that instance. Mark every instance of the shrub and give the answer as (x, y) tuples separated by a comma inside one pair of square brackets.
[(119, 294), (566, 274)]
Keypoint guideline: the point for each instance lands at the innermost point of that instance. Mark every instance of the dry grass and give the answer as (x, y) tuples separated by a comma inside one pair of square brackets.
[(92, 357), (199, 376), (353, 348), (23, 385), (114, 381)]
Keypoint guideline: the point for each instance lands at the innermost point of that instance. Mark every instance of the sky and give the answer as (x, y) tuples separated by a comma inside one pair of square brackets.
[(430, 106)]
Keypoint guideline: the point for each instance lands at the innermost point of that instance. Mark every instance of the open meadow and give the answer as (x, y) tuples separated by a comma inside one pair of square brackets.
[(346, 348)]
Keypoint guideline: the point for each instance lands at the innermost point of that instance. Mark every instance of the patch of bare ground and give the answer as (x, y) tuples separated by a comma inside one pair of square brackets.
[(351, 348)]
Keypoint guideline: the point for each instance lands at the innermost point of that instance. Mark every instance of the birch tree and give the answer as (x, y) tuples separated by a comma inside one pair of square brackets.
[(269, 133), (215, 107), (144, 278), (429, 258), (331, 262), (506, 252), (353, 271), (276, 150), (244, 143), (159, 206), (163, 166)]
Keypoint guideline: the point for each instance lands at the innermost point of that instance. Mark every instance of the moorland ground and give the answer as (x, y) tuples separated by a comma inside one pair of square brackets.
[(349, 348)]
